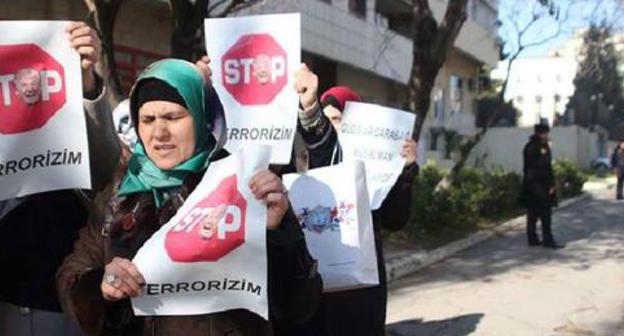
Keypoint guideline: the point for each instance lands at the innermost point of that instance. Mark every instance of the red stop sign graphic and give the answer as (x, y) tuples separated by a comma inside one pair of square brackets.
[(254, 69), (32, 88), (214, 227)]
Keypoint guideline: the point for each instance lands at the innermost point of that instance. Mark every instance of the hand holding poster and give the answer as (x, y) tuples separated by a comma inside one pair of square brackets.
[(254, 60), (375, 135), (43, 136), (211, 256), (332, 207)]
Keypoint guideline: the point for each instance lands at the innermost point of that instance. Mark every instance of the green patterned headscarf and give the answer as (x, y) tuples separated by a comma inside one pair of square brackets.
[(142, 174)]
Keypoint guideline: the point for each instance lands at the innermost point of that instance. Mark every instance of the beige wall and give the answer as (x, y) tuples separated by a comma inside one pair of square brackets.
[(502, 147)]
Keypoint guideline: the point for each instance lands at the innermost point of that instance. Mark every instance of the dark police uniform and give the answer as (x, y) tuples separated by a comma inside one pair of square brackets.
[(538, 180)]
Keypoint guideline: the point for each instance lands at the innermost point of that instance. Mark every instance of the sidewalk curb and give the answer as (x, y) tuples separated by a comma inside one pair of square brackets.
[(405, 265)]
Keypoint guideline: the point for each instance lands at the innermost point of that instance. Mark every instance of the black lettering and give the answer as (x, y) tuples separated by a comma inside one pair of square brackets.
[(182, 286), (244, 134), (254, 133), (214, 283), (198, 286), (288, 133), (38, 159), (25, 163), (167, 288), (264, 133), (234, 285), (253, 289), (1, 169), (276, 133), (10, 166), (74, 158), (234, 133), (48, 159), (152, 289), (65, 156), (56, 158)]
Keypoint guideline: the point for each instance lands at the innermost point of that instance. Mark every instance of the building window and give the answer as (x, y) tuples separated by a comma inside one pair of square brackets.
[(438, 104), (456, 93), (326, 1), (358, 7), (130, 62)]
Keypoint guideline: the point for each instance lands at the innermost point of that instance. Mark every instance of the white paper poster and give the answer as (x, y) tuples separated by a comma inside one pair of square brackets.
[(332, 207), (43, 135), (211, 256), (254, 60), (375, 135)]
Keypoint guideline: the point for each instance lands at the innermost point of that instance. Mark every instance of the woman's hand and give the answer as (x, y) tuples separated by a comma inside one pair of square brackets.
[(409, 151), (87, 43), (306, 85), (266, 186), (203, 64), (121, 280)]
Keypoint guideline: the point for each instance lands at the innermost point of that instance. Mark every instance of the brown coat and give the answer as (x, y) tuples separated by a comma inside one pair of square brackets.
[(294, 286)]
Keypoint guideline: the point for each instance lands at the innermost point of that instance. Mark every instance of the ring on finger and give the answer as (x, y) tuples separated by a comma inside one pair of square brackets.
[(112, 279)]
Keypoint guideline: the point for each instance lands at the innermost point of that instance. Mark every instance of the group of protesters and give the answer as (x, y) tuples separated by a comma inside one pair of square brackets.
[(67, 254)]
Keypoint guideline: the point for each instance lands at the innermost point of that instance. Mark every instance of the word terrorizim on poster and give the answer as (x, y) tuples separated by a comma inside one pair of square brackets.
[(211, 256), (40, 99), (255, 59)]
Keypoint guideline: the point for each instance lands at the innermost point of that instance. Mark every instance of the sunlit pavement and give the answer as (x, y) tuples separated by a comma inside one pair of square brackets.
[(503, 287)]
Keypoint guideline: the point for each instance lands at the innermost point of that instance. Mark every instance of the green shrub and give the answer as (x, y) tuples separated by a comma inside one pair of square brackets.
[(569, 179), (503, 190), (474, 195)]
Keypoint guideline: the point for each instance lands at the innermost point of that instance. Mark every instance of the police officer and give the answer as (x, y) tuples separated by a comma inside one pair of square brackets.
[(538, 189)]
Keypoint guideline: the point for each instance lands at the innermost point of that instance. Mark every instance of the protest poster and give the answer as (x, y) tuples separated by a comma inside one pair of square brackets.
[(332, 207), (254, 60), (375, 135), (43, 135), (211, 256)]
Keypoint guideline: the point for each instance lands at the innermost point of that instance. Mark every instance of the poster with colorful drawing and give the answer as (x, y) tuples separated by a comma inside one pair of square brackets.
[(333, 210)]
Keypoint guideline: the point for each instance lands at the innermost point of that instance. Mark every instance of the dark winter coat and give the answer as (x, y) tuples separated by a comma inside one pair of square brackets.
[(359, 312), (538, 175), (294, 286)]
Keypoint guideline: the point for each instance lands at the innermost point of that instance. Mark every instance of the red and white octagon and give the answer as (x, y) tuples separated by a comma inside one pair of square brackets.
[(254, 69), (32, 88), (213, 228)]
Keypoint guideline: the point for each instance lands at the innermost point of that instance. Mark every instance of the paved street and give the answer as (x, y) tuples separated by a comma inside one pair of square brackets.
[(502, 287)]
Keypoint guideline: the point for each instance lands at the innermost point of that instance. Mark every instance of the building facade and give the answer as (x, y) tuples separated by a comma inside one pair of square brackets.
[(539, 87), (364, 44)]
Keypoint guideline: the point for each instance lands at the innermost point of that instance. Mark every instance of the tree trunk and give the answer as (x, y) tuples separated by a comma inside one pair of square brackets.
[(102, 15), (187, 34), (432, 43)]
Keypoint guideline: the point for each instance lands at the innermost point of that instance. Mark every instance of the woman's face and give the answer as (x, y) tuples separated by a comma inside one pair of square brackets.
[(167, 132)]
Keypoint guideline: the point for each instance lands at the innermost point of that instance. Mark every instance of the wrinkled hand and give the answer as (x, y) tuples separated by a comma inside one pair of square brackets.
[(87, 43), (266, 186), (203, 64), (409, 151), (128, 280), (306, 85)]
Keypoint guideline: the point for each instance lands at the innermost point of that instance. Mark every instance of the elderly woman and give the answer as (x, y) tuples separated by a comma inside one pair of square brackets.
[(174, 114)]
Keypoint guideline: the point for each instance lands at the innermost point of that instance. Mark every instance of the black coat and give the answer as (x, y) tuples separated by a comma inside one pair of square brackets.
[(538, 175), (359, 312)]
